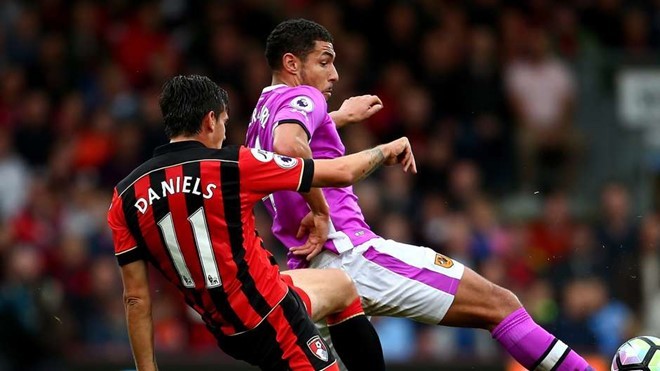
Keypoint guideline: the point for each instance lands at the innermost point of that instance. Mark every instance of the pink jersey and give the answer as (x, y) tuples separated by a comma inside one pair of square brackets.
[(306, 106)]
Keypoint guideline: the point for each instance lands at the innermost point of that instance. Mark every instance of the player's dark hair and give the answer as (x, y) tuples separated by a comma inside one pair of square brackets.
[(295, 36), (185, 100)]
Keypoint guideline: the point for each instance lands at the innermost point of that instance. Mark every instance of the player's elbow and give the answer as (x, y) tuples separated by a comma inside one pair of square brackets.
[(136, 301), (289, 148), (283, 149)]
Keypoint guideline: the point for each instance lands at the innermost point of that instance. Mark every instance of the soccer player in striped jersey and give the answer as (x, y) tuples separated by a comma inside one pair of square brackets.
[(393, 278), (189, 212)]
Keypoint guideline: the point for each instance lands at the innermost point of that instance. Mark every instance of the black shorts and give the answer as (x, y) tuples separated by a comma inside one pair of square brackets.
[(286, 340)]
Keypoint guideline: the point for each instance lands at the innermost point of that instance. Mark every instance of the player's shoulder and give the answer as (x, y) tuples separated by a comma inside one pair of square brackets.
[(247, 153), (228, 153), (303, 89), (302, 97), (132, 177), (259, 157)]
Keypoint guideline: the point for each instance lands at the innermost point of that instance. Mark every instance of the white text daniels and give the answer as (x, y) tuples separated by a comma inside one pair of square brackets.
[(172, 186)]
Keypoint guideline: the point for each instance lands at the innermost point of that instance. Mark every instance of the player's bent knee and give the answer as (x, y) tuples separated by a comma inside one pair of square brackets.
[(479, 303), (505, 302), (345, 288)]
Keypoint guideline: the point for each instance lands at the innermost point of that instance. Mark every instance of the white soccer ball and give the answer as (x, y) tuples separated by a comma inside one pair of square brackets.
[(638, 354)]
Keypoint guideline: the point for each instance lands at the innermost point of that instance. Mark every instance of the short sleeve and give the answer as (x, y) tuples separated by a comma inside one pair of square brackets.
[(304, 106), (126, 248), (264, 172)]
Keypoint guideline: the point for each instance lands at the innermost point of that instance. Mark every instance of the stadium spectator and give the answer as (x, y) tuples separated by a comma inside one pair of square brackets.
[(31, 336), (15, 175), (542, 93), (584, 259), (550, 236), (617, 233), (591, 319), (33, 135)]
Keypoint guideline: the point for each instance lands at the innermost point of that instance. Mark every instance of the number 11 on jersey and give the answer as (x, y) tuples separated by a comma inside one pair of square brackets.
[(203, 244)]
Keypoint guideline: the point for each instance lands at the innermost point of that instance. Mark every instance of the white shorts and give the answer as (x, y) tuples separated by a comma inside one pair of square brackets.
[(399, 280)]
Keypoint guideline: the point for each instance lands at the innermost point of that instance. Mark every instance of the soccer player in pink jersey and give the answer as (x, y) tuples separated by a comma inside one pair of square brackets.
[(393, 278)]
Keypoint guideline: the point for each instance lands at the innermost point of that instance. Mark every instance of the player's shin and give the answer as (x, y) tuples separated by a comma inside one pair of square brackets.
[(355, 339), (533, 347)]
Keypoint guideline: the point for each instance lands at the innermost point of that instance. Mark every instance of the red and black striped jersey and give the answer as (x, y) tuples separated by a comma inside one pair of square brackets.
[(189, 211)]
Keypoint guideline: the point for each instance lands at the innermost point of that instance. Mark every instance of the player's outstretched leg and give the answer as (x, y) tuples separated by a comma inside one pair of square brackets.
[(481, 304), (331, 294)]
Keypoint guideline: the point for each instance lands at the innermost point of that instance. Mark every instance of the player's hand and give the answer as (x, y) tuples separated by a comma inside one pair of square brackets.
[(400, 152), (316, 226), (356, 109)]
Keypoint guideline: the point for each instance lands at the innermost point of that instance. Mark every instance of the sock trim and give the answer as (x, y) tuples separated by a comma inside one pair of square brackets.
[(352, 310), (545, 354), (345, 319), (561, 359), (553, 356)]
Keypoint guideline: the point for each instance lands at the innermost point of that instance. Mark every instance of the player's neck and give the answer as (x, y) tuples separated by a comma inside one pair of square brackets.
[(288, 80), (197, 138)]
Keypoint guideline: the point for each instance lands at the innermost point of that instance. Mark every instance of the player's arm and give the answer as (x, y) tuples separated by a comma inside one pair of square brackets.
[(356, 109), (137, 304), (290, 139), (137, 301), (346, 170)]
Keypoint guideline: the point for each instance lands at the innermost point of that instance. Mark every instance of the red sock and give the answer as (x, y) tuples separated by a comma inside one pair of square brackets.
[(354, 309), (355, 339)]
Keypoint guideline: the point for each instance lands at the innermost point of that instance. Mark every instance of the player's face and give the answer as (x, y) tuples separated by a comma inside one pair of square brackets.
[(318, 70), (220, 129)]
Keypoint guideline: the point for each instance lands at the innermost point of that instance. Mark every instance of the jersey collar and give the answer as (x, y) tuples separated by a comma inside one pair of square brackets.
[(177, 146), (272, 87)]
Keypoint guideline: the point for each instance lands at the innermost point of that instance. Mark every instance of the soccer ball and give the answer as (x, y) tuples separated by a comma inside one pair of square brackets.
[(641, 353)]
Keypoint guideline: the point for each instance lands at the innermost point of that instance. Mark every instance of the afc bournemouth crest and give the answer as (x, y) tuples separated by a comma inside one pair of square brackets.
[(443, 261), (316, 345)]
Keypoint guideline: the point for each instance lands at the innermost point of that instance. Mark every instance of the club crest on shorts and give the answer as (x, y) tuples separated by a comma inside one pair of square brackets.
[(443, 261), (285, 162), (316, 345)]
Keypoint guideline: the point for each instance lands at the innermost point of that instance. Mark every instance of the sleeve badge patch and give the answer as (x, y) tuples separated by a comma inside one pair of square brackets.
[(443, 261), (261, 155), (285, 162), (302, 103)]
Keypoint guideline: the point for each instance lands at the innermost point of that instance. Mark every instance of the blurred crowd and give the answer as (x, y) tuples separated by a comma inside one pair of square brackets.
[(485, 90)]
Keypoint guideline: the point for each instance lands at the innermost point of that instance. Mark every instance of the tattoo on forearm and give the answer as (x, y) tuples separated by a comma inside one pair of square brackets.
[(376, 158)]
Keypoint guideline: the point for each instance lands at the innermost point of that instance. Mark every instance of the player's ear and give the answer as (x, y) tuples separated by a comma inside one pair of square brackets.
[(209, 121), (290, 63)]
